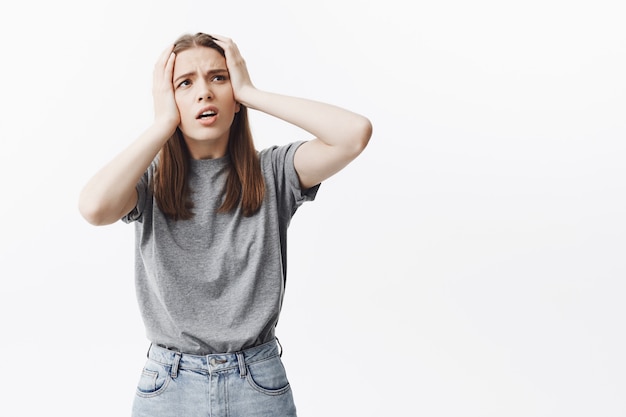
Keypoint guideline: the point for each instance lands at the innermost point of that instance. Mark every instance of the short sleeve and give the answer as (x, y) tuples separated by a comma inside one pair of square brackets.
[(299, 195), (143, 194), (289, 193)]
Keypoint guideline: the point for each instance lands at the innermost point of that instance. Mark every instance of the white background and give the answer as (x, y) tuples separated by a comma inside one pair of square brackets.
[(469, 263)]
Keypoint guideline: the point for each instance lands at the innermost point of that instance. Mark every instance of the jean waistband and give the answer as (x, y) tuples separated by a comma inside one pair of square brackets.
[(213, 362)]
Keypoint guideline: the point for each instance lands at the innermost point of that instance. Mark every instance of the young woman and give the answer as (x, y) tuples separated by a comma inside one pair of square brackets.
[(211, 216)]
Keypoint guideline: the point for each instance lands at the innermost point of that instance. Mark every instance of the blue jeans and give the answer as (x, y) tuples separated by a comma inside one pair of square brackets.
[(250, 383)]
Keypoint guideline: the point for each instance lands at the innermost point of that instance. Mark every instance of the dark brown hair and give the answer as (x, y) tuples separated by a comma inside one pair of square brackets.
[(244, 185)]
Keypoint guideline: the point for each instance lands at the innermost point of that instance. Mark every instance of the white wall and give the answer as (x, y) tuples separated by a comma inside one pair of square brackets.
[(470, 263)]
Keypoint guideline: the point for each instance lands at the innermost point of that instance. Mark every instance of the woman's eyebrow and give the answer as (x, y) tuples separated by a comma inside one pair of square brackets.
[(217, 71), (210, 72), (185, 75)]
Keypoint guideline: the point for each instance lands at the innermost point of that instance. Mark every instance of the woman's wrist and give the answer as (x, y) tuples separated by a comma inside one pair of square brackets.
[(162, 129)]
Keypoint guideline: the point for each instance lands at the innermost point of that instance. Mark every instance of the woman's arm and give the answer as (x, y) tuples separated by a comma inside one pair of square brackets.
[(340, 135), (110, 194)]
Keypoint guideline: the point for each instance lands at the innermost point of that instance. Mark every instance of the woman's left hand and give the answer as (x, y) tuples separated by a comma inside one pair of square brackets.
[(239, 76)]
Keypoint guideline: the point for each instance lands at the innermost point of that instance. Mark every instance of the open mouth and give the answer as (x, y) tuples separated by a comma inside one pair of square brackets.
[(206, 113)]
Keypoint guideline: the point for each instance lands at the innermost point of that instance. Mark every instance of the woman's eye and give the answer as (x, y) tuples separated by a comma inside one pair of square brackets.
[(220, 78), (184, 83)]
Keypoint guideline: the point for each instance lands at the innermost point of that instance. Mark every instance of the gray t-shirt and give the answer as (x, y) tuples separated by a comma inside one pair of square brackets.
[(215, 283)]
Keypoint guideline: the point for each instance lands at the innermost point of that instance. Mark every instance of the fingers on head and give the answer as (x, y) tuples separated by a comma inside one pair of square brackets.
[(223, 40), (164, 58)]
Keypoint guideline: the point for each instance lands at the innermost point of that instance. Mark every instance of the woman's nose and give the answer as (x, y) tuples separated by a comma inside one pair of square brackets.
[(205, 93), (205, 97)]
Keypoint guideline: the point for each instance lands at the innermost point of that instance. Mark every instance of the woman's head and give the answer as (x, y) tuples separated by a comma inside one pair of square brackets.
[(245, 186), (204, 95)]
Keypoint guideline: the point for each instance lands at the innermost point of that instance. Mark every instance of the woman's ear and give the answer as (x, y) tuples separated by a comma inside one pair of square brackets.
[(237, 107)]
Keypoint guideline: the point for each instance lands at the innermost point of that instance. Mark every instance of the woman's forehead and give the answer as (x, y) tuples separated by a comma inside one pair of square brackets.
[(198, 59)]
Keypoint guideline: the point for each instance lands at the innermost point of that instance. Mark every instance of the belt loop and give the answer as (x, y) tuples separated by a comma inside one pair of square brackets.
[(242, 364), (174, 371), (281, 348)]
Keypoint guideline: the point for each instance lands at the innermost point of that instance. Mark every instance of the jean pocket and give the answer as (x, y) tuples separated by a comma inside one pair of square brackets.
[(268, 376), (154, 379)]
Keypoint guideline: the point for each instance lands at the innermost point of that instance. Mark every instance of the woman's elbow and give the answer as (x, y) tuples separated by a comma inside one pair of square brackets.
[(361, 135), (94, 213)]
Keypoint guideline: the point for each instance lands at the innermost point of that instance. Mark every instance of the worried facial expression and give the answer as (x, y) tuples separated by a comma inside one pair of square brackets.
[(204, 96)]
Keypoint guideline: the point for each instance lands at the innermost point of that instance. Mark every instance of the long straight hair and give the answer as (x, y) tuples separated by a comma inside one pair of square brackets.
[(244, 184)]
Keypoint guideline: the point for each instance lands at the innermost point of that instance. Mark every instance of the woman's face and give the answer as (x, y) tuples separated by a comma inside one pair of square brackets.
[(204, 97)]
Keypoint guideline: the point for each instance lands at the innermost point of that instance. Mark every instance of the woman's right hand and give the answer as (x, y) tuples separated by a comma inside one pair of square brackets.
[(165, 109)]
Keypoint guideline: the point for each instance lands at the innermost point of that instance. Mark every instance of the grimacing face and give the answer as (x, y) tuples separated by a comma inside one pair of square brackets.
[(204, 96)]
